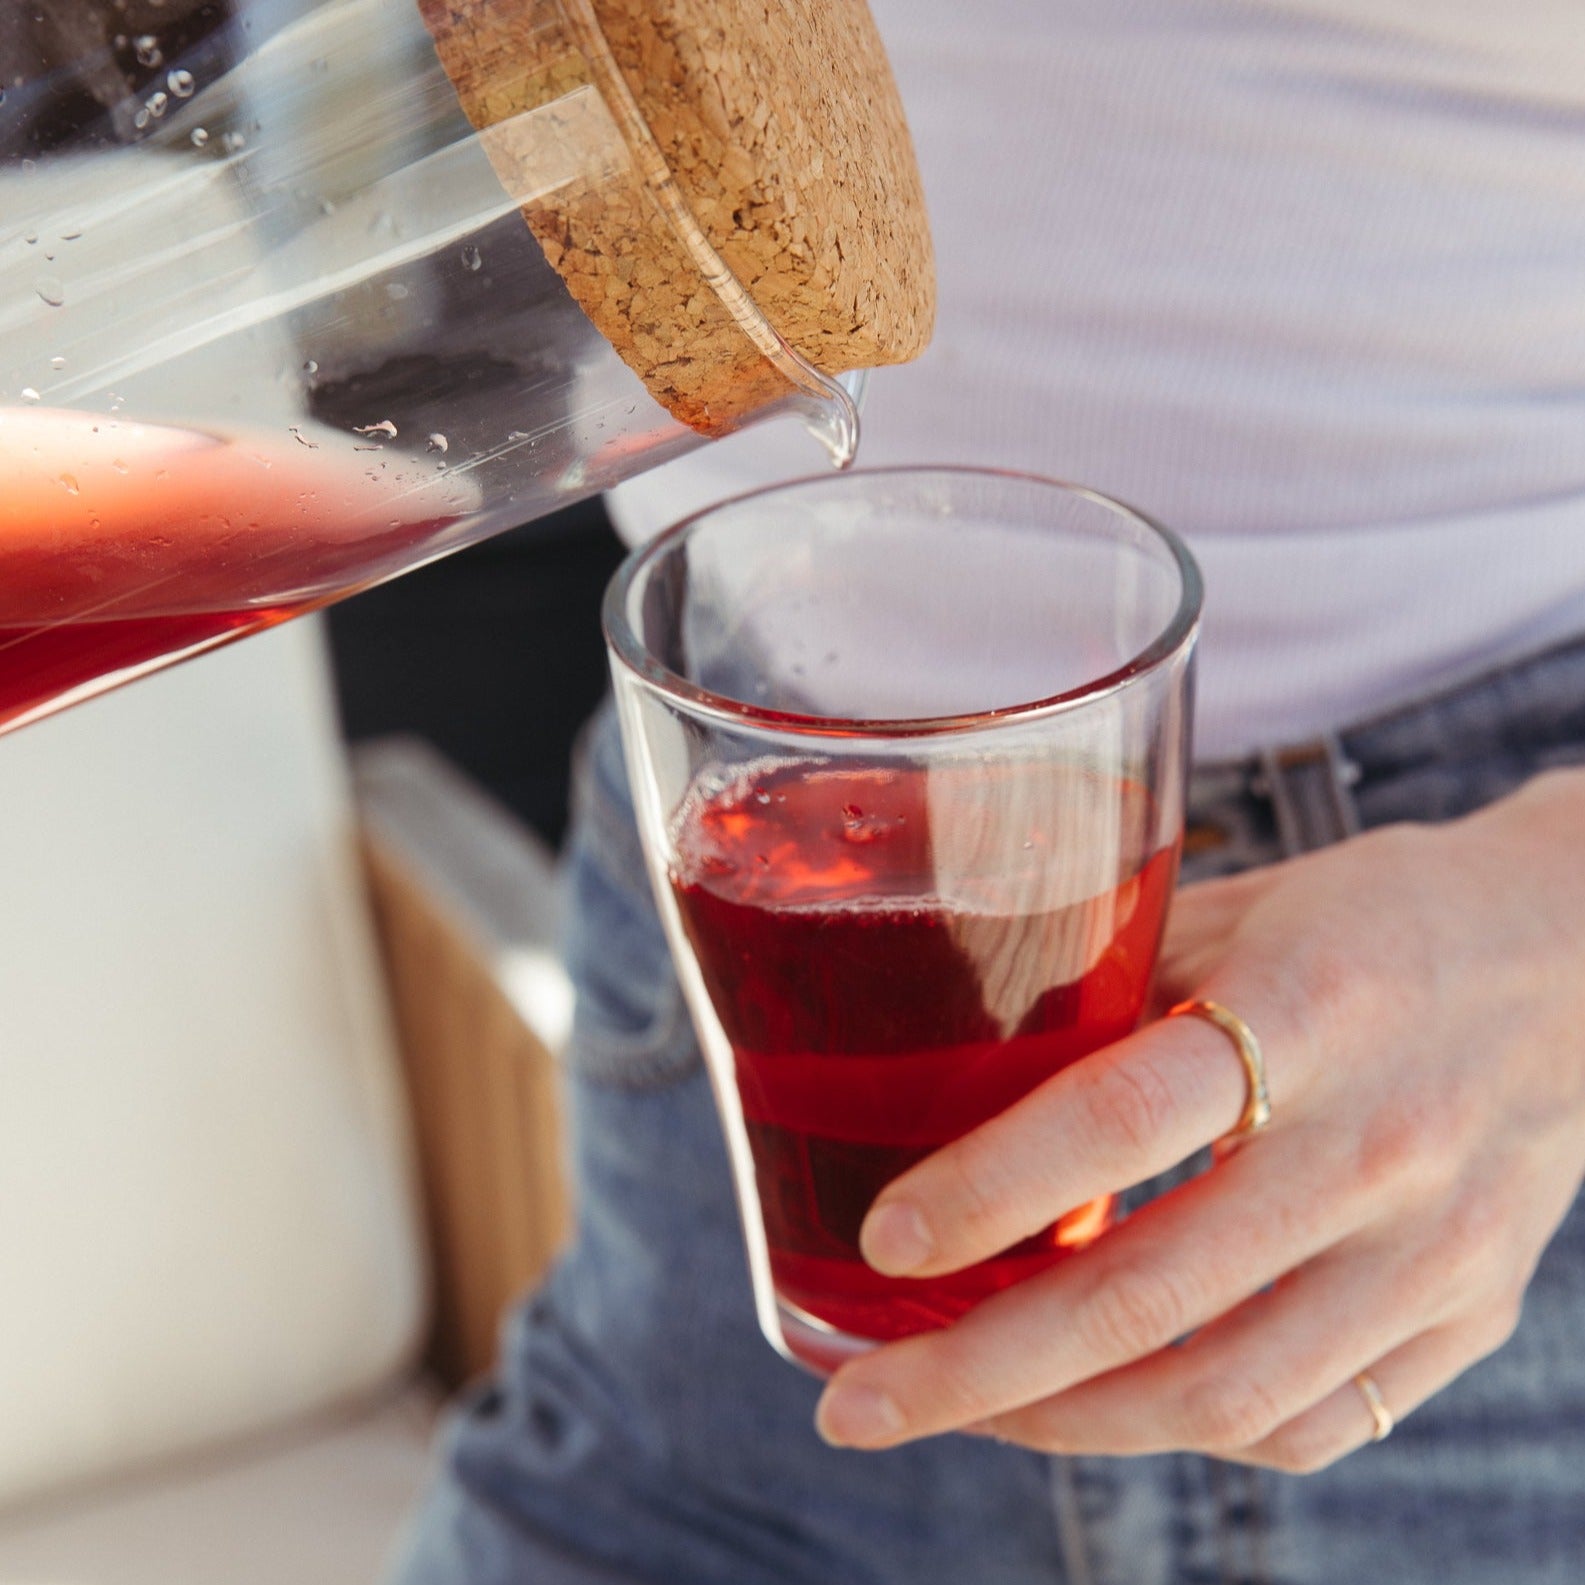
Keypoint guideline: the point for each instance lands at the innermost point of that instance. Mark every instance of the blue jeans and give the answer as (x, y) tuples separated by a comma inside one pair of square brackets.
[(641, 1430)]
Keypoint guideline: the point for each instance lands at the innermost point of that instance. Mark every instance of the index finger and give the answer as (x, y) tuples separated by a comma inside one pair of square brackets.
[(1109, 1121)]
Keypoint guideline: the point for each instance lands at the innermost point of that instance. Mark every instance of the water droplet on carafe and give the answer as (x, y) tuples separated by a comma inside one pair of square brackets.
[(233, 143), (157, 104), (30, 237), (57, 363), (29, 394), (310, 367), (181, 83), (199, 137), (50, 290), (384, 427), (147, 49), (472, 259), (438, 443), (69, 483), (120, 466)]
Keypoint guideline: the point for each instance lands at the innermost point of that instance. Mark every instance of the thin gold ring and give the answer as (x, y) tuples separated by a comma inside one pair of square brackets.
[(1379, 1412), (1257, 1101)]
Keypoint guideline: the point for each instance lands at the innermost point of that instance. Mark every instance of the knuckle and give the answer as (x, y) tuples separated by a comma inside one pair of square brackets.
[(1129, 1108), (1469, 1260), (1498, 1325), (980, 1188), (958, 1391), (1133, 1311), (1396, 1148), (1478, 1222), (1228, 1414)]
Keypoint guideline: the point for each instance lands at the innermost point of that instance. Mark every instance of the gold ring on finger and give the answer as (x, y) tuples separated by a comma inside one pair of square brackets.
[(1257, 1100), (1379, 1412)]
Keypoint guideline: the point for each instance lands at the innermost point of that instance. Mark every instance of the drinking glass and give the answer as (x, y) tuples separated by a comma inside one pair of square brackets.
[(908, 751)]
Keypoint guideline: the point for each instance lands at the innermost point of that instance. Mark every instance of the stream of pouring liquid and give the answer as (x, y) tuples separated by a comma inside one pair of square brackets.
[(127, 545)]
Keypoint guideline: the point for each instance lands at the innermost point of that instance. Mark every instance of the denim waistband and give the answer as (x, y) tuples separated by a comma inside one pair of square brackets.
[(1433, 758)]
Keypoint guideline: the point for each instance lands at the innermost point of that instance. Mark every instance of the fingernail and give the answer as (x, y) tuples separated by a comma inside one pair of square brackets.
[(895, 1238), (851, 1416)]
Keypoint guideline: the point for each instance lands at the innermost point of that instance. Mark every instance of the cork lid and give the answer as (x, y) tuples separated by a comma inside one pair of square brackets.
[(707, 176)]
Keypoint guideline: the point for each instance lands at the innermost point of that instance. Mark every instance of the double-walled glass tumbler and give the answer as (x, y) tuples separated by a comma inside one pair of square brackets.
[(908, 752)]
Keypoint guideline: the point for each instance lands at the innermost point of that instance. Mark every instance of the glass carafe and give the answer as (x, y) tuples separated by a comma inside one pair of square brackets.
[(295, 296)]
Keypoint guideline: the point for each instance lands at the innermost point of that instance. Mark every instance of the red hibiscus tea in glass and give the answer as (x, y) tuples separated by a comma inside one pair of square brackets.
[(908, 751)]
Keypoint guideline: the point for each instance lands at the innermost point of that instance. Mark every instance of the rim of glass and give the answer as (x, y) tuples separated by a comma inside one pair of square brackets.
[(1176, 636)]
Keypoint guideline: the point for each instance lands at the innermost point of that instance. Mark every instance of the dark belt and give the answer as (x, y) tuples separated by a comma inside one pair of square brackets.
[(1526, 713)]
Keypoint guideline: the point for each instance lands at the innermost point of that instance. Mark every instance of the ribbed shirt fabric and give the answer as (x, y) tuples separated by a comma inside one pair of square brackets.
[(1305, 281)]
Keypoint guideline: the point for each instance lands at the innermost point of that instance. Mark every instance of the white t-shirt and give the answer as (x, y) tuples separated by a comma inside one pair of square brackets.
[(1305, 281)]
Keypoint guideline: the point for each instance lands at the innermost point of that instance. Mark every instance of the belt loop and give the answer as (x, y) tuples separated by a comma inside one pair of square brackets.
[(1308, 786)]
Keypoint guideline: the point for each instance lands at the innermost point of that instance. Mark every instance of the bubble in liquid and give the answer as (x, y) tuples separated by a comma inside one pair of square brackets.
[(199, 137), (438, 443), (29, 394), (860, 828), (147, 49), (50, 290), (472, 259), (181, 83)]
